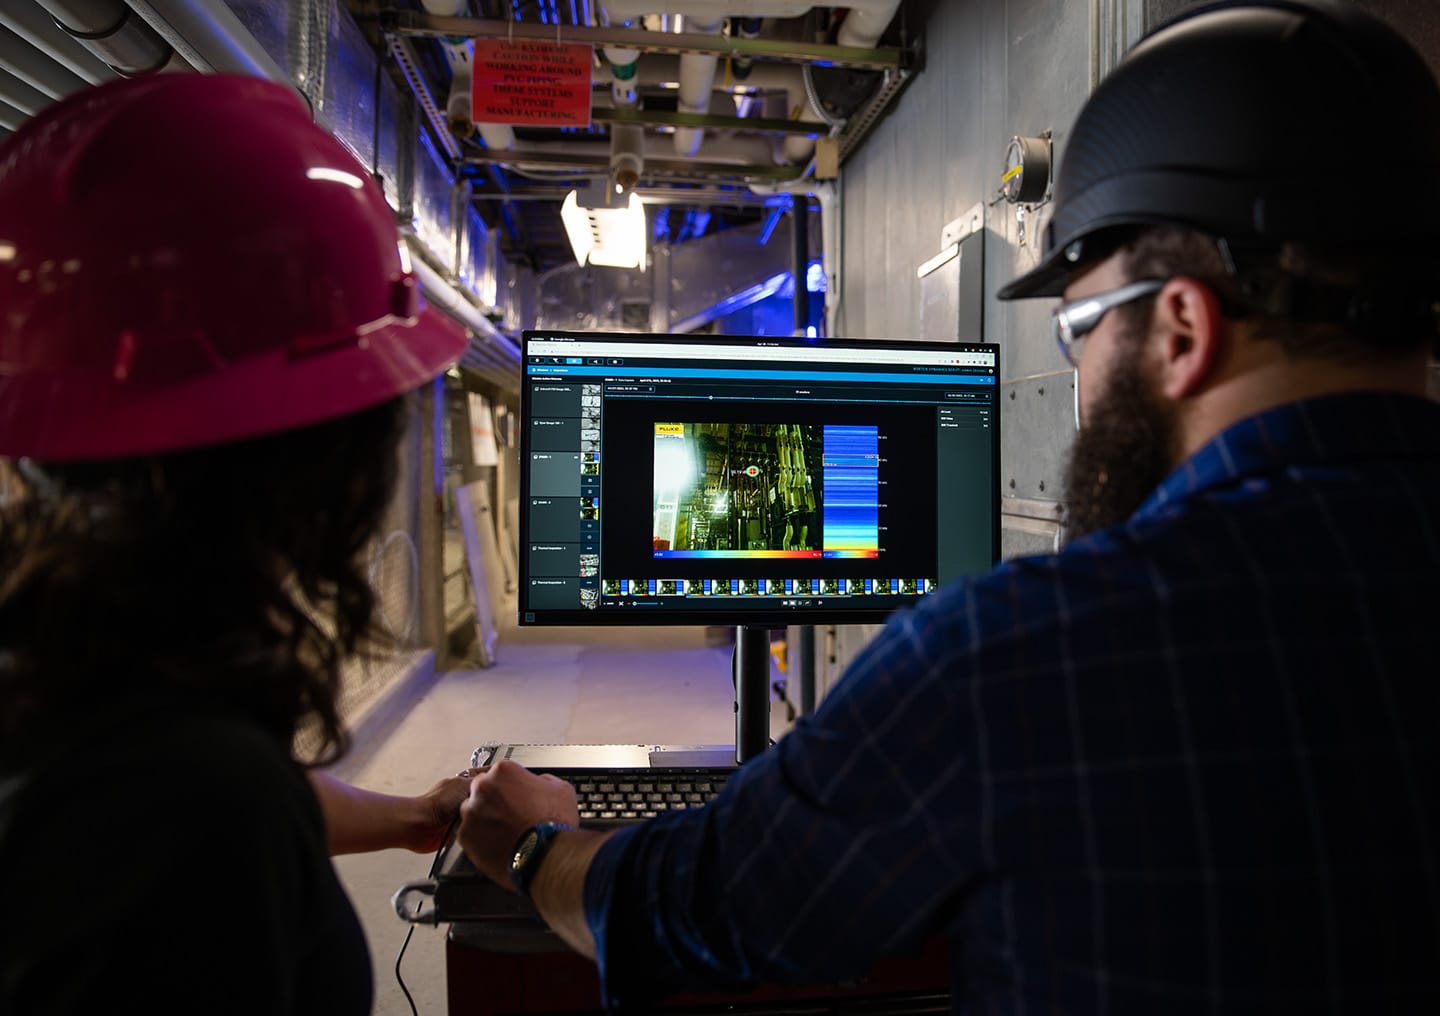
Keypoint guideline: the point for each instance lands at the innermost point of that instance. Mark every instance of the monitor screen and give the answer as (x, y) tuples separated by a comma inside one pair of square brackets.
[(674, 479)]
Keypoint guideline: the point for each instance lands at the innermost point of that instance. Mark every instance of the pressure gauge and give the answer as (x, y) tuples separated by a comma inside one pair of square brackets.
[(1027, 170)]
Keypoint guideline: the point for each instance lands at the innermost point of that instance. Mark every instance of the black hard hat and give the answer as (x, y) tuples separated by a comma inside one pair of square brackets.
[(1260, 122)]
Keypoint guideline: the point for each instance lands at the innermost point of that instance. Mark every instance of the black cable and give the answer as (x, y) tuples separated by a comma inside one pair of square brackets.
[(434, 869), (398, 978)]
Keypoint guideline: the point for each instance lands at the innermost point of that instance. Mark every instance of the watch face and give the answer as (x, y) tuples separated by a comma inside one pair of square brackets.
[(530, 853), (524, 850)]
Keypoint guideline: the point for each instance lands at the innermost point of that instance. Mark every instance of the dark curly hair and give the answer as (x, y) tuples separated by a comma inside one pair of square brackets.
[(230, 573)]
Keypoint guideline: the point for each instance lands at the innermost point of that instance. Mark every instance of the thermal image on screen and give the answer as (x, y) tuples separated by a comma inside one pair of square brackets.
[(775, 490)]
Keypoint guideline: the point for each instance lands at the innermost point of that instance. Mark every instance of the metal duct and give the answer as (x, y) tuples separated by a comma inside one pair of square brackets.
[(490, 351)]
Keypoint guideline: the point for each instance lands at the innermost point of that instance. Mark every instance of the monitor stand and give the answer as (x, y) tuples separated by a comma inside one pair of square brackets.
[(751, 672)]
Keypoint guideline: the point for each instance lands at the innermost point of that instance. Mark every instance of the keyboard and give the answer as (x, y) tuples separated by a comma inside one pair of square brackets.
[(609, 795), (615, 797)]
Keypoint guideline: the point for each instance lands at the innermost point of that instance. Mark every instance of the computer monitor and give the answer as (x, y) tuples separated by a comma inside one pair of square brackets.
[(751, 481)]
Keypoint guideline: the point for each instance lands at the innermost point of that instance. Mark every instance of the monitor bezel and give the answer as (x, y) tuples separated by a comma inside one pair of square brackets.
[(693, 617)]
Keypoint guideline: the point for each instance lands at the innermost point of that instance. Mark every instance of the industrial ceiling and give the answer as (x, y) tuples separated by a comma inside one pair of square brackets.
[(779, 74)]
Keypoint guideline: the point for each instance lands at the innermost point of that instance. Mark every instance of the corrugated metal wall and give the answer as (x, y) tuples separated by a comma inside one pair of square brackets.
[(993, 69)]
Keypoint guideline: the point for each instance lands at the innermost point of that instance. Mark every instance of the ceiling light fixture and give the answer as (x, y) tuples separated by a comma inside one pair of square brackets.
[(609, 235)]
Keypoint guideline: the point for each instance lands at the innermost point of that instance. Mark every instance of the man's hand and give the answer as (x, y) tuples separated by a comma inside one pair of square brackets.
[(505, 800)]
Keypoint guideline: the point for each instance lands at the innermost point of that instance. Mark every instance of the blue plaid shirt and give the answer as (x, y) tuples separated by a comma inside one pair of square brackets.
[(1187, 765)]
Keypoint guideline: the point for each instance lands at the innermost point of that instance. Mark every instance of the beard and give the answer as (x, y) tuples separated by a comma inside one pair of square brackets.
[(1123, 451)]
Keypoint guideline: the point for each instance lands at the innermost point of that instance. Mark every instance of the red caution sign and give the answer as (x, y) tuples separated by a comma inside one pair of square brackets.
[(524, 81)]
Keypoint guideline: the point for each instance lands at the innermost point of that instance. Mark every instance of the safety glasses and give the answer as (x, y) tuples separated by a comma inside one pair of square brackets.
[(1076, 319)]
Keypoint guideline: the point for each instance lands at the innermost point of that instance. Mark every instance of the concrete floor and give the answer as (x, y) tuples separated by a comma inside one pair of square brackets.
[(548, 686)]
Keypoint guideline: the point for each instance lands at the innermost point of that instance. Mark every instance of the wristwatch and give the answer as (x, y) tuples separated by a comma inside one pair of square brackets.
[(530, 851)]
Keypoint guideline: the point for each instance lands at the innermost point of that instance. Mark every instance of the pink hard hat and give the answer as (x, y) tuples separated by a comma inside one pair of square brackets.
[(187, 260)]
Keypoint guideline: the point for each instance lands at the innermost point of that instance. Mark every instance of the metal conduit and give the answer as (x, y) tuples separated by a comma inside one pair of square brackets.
[(209, 35)]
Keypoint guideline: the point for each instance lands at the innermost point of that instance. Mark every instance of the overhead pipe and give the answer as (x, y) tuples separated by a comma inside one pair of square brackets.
[(743, 150), (745, 28), (443, 295), (113, 32), (627, 141), (623, 72), (800, 262), (865, 23), (460, 57), (209, 35), (870, 17), (625, 10), (697, 81), (627, 155), (659, 68), (832, 247), (862, 28)]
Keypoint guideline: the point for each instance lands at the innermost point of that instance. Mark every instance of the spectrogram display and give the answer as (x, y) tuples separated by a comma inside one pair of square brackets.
[(851, 463)]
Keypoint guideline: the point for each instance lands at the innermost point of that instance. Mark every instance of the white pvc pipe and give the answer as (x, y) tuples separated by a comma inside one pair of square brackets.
[(660, 68), (873, 15), (657, 68), (622, 89), (742, 150), (624, 10), (439, 292), (461, 58), (499, 137), (827, 192), (697, 81), (627, 140), (866, 22), (627, 154)]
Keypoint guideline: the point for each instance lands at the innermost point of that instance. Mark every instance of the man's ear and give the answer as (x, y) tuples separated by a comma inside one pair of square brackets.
[(1192, 334)]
